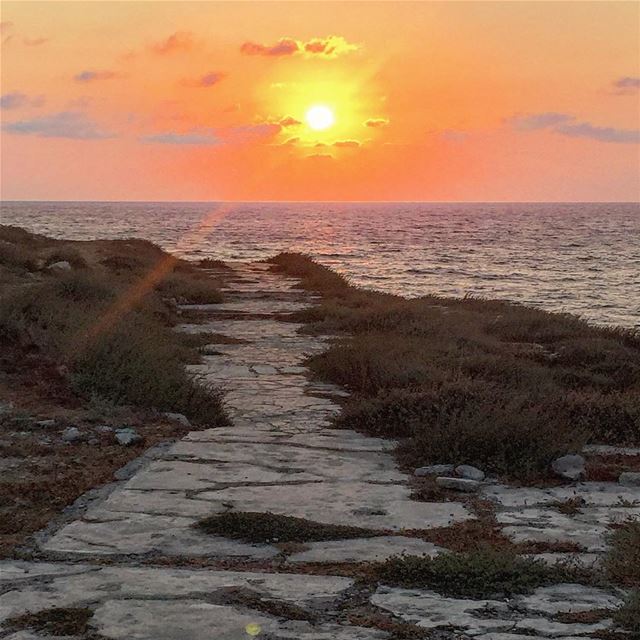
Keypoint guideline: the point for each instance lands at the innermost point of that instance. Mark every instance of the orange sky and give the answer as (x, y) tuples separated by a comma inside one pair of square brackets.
[(432, 101)]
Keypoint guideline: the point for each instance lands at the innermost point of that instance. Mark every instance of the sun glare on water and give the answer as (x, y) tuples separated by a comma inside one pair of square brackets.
[(320, 117)]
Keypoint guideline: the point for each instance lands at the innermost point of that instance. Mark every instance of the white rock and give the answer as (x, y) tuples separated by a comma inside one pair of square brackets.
[(458, 484), (45, 423), (63, 265), (629, 479), (570, 467), (434, 470), (127, 436), (71, 434), (469, 472), (177, 417)]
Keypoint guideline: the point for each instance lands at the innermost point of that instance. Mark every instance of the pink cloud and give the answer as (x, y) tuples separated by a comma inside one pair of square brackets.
[(207, 80), (34, 42), (284, 47)]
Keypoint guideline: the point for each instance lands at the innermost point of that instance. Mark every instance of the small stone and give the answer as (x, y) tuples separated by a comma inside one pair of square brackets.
[(570, 467), (629, 479), (469, 473), (458, 484), (178, 417), (45, 423), (127, 437), (63, 265), (104, 428), (6, 407), (71, 434), (434, 470)]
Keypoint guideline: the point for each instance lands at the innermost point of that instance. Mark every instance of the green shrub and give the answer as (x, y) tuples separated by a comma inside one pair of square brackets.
[(269, 527), (628, 615), (478, 574), (66, 254), (313, 276), (190, 289), (622, 562)]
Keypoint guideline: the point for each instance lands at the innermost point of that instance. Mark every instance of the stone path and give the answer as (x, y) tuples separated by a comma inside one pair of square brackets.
[(280, 455)]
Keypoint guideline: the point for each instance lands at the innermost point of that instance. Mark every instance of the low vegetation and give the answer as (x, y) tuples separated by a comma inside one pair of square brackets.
[(90, 344), (53, 622), (112, 333), (622, 561), (482, 382), (628, 616), (270, 527), (484, 573)]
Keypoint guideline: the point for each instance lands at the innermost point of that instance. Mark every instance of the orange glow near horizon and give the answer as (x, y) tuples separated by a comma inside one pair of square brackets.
[(292, 101)]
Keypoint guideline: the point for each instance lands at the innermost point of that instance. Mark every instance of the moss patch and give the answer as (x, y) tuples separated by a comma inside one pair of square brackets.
[(270, 527)]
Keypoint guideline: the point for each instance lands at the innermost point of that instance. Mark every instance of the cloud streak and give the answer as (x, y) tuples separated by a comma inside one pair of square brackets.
[(207, 80), (329, 47), (627, 85), (73, 125), (17, 100), (212, 137), (92, 76), (180, 41), (567, 124)]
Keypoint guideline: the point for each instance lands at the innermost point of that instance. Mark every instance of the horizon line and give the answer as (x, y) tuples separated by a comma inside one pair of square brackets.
[(331, 201)]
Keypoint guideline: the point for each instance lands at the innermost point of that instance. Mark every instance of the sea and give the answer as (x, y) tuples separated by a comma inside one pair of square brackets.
[(581, 258)]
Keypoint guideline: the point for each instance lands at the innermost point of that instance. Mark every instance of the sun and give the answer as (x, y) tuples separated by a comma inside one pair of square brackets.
[(320, 117)]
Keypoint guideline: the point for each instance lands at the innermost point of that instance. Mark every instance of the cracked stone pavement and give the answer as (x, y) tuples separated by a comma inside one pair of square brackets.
[(280, 455)]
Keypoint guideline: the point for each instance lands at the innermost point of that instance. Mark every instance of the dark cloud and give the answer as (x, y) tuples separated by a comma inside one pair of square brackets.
[(207, 80), (376, 123), (290, 142), (567, 125), (284, 47), (320, 156), (16, 100), (92, 76), (65, 124), (533, 121), (628, 85), (176, 42), (603, 134)]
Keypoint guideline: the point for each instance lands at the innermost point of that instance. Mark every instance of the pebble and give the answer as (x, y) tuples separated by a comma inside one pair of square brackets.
[(570, 467), (45, 423), (469, 473), (63, 265), (177, 417), (127, 436), (629, 479), (458, 484), (71, 434), (434, 470)]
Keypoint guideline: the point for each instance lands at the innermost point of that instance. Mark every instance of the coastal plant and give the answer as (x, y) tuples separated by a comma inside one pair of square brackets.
[(487, 382), (628, 615), (271, 527), (484, 573), (622, 561)]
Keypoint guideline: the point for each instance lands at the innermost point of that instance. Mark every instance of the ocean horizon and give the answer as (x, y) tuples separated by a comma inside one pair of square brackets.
[(576, 257)]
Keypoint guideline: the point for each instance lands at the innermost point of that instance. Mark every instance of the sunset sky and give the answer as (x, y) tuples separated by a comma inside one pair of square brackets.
[(517, 101)]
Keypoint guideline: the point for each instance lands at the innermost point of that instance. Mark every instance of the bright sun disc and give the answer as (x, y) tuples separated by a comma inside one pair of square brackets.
[(320, 117)]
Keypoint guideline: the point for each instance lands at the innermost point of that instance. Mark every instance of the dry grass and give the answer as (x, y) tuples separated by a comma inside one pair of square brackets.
[(95, 343), (502, 386)]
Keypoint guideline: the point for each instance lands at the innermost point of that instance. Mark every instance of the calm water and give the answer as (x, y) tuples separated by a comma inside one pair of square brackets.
[(582, 258)]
